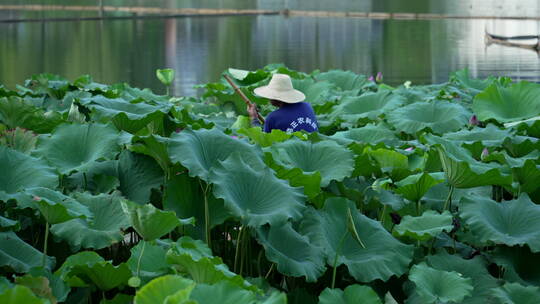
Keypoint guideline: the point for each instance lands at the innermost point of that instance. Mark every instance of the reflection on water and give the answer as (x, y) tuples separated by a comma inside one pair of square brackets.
[(200, 48)]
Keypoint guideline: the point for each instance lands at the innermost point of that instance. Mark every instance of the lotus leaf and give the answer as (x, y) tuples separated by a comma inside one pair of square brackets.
[(19, 139), (414, 187), (473, 84), (38, 284), (440, 117), (184, 195), (506, 104), (19, 255), (345, 80), (99, 231), (150, 222), (18, 112), (53, 205), (367, 106), (195, 258), (154, 146), (166, 76), (20, 294), (489, 136), (426, 226), (462, 170), (371, 134), (333, 161), (163, 290), (80, 258), (438, 286), (138, 174), (255, 196), (351, 295), (292, 252), (519, 263), (511, 223), (475, 268), (21, 171), (383, 255), (127, 116), (222, 293), (514, 293), (316, 92), (103, 274), (77, 147), (265, 139), (152, 260), (8, 225), (200, 151)]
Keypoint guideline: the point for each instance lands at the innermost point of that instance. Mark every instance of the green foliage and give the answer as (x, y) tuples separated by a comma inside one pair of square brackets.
[(401, 188)]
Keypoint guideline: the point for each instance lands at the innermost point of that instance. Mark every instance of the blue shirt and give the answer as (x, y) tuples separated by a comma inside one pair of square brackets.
[(292, 117)]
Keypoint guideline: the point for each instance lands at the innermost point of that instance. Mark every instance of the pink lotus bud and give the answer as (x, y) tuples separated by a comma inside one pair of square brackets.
[(371, 78), (484, 154), (178, 130), (473, 121), (379, 77), (409, 149), (36, 198), (234, 136)]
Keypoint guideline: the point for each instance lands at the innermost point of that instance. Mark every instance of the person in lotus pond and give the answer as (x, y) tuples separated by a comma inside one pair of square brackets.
[(293, 114)]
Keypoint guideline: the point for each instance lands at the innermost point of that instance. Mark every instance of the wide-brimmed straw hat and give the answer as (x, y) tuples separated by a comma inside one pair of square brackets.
[(280, 88)]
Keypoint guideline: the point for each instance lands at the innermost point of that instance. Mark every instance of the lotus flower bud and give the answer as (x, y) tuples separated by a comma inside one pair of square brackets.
[(379, 77), (484, 154), (396, 218), (371, 78), (473, 121), (409, 149)]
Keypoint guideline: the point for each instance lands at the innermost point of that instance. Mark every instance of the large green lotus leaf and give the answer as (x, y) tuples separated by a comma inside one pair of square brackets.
[(151, 263), (18, 139), (415, 186), (79, 258), (475, 268), (195, 258), (515, 222), (138, 174), (520, 264), (439, 116), (19, 255), (102, 274), (127, 116), (316, 92), (49, 282), (200, 151), (20, 294), (383, 255), (333, 161), (21, 171), (53, 205), (367, 106), (154, 146), (514, 293), (490, 136), (18, 112), (162, 289), (474, 85), (9, 225), (506, 104), (353, 294), (439, 286), (264, 139), (150, 222), (256, 195), (371, 134), (424, 227), (38, 284), (101, 230), (222, 293), (345, 80), (184, 195), (292, 252), (462, 170), (77, 147), (311, 183)]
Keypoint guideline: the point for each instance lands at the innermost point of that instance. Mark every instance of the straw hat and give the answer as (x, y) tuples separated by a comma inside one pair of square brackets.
[(280, 88)]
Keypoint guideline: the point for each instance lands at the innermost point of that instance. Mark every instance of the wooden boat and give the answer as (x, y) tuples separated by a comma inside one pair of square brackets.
[(507, 41)]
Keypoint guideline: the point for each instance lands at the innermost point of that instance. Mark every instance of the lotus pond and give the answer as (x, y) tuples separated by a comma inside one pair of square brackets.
[(409, 194)]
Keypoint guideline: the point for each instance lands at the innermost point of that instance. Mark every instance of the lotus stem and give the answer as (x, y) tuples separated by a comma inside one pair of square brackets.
[(336, 258), (85, 181), (382, 215), (44, 261), (140, 258), (269, 271), (245, 239), (448, 203), (237, 251), (206, 216)]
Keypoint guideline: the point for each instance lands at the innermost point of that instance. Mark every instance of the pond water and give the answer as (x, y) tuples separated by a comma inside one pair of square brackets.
[(200, 48)]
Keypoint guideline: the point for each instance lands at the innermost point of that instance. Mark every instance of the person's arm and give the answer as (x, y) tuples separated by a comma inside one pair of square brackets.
[(252, 110)]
